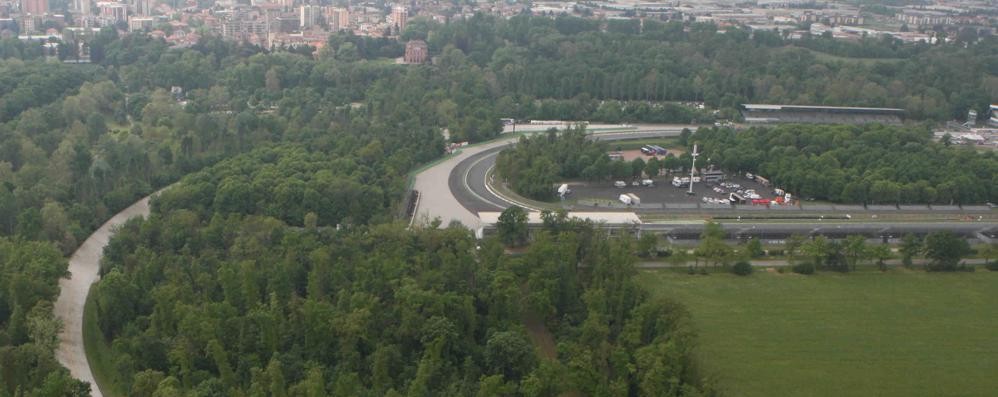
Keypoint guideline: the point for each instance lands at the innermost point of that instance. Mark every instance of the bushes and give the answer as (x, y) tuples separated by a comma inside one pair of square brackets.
[(804, 268), (742, 268)]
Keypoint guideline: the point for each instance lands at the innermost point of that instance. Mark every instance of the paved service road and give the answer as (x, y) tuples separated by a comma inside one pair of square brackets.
[(83, 268)]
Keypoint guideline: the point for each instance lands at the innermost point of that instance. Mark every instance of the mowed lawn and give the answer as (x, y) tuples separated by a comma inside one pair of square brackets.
[(901, 333)]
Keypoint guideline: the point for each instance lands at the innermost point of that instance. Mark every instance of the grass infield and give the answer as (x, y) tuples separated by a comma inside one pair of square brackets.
[(899, 333)]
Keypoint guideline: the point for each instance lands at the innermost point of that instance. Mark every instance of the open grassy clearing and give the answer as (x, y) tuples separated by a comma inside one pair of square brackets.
[(900, 333)]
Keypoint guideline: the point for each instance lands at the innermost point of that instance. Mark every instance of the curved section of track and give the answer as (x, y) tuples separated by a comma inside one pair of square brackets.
[(84, 267), (467, 182)]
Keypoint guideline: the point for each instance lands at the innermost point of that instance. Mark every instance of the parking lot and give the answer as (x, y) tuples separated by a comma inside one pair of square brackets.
[(661, 195)]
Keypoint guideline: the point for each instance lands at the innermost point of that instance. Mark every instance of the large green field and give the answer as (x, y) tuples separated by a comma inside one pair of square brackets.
[(901, 333)]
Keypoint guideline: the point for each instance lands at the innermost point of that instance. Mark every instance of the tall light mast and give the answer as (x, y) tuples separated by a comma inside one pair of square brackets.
[(693, 168)]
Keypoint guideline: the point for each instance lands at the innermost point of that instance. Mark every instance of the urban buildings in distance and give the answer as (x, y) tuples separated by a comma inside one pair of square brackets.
[(291, 23)]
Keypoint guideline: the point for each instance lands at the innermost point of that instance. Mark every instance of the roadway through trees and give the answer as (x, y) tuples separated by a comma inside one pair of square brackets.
[(84, 267)]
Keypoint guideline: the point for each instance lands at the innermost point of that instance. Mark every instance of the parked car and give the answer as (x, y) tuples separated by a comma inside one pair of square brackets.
[(620, 184)]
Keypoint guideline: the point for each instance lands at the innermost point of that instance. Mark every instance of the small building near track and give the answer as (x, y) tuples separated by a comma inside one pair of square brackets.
[(615, 223), (768, 114)]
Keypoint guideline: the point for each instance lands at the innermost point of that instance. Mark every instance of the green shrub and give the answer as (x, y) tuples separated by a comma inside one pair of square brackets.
[(993, 266), (804, 268), (742, 268)]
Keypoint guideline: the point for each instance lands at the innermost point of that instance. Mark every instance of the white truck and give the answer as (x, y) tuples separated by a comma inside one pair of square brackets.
[(629, 199), (625, 199), (563, 190), (684, 181)]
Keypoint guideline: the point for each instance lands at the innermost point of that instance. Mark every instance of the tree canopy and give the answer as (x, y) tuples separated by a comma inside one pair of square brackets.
[(856, 164)]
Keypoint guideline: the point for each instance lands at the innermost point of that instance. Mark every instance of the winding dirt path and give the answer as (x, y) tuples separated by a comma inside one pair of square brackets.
[(83, 268)]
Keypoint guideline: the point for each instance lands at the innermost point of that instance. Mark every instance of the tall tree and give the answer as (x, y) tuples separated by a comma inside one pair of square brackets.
[(945, 250), (512, 226)]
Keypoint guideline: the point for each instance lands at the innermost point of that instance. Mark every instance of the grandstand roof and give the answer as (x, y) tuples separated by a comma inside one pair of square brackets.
[(833, 109)]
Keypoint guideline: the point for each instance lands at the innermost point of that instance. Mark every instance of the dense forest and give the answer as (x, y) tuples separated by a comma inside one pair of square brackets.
[(29, 331), (239, 303), (528, 58), (80, 142), (325, 139), (869, 164)]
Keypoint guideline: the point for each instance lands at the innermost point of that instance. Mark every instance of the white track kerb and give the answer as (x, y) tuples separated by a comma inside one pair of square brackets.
[(488, 186)]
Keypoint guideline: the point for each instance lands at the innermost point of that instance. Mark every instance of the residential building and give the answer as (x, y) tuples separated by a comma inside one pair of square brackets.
[(112, 12), (81, 6), (399, 18), (923, 18), (337, 18), (142, 7), (308, 15), (34, 7), (139, 24), (416, 51)]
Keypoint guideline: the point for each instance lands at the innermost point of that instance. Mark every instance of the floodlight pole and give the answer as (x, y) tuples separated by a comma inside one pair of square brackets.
[(693, 167)]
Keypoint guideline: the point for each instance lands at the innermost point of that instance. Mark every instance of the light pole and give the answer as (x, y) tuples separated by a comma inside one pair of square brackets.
[(693, 168)]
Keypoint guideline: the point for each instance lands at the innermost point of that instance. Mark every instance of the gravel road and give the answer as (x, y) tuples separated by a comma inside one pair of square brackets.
[(83, 268)]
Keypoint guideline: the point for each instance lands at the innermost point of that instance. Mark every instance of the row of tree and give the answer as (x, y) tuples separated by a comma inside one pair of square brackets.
[(857, 164), (943, 250)]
